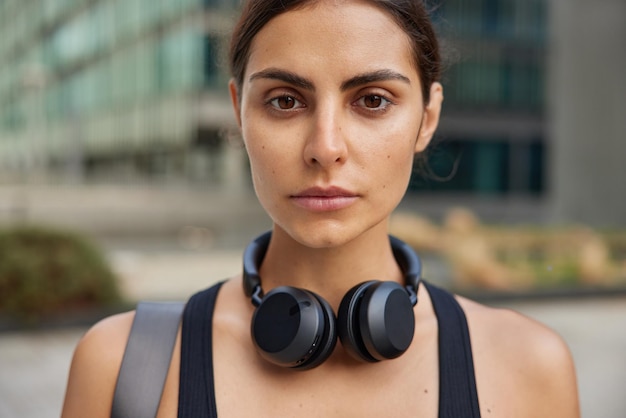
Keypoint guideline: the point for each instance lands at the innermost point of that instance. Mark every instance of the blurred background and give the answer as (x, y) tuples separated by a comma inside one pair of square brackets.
[(122, 176)]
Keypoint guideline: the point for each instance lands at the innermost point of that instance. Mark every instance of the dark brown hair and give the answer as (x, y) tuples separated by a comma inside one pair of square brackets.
[(410, 15)]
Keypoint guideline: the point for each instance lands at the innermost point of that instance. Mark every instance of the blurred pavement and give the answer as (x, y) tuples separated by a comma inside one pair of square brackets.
[(206, 236)]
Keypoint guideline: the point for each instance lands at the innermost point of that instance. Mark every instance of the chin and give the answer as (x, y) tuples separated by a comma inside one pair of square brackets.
[(325, 235), (319, 239)]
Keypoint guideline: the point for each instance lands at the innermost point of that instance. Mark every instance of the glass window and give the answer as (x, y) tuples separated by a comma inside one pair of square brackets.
[(125, 77), (169, 8), (148, 13), (102, 80), (73, 41), (211, 59), (103, 26), (127, 18), (190, 4), (489, 166), (15, 117), (117, 75), (178, 60)]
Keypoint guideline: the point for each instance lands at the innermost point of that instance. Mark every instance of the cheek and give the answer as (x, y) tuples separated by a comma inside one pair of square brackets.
[(268, 156), (264, 175), (398, 168), (271, 147), (262, 171), (395, 160), (395, 145)]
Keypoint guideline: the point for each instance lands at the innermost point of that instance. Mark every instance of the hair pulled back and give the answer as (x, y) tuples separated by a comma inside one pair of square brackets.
[(410, 15)]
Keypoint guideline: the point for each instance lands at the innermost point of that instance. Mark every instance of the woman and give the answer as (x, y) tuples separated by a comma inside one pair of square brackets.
[(334, 99)]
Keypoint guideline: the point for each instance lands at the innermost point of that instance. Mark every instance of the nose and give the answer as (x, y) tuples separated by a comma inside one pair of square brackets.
[(326, 144)]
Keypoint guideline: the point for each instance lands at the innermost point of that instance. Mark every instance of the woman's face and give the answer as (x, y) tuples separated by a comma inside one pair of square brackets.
[(331, 114)]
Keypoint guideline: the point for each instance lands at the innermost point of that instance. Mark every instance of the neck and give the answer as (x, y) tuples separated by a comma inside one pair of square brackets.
[(329, 272)]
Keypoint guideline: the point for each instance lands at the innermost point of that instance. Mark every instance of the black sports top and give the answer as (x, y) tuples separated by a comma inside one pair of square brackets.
[(457, 384)]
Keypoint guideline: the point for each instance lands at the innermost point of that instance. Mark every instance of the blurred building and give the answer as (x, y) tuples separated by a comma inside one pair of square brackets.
[(493, 134), (586, 101), (136, 89), (113, 88)]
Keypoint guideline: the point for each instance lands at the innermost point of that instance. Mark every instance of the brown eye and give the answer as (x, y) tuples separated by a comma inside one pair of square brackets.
[(284, 103), (376, 103), (373, 101)]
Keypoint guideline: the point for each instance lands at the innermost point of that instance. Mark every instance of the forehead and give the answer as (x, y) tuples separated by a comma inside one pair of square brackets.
[(334, 35)]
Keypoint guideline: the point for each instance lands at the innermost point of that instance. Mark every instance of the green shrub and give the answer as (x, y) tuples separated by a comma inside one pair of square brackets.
[(46, 272)]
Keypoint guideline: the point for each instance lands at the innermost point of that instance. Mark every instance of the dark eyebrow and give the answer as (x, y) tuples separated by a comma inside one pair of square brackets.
[(356, 81), (371, 77), (286, 76)]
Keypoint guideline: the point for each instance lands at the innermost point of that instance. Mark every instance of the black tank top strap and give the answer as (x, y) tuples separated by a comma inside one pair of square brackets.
[(458, 396), (196, 397)]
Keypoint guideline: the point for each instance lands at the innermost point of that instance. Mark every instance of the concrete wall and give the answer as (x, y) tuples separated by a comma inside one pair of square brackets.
[(587, 111)]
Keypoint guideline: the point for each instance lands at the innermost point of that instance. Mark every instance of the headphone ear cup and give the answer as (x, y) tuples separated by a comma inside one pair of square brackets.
[(376, 321), (348, 327), (293, 328), (326, 345)]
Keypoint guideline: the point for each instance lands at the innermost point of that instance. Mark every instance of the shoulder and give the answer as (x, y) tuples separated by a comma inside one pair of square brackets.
[(509, 330), (105, 342), (515, 354), (95, 366)]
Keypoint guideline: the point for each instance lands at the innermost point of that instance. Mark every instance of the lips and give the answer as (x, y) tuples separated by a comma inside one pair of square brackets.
[(318, 199)]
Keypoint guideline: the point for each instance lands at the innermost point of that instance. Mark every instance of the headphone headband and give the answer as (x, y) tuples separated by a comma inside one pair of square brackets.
[(252, 258), (406, 258)]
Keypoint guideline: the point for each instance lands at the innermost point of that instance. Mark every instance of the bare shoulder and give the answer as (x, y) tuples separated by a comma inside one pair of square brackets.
[(95, 366), (512, 332), (522, 362)]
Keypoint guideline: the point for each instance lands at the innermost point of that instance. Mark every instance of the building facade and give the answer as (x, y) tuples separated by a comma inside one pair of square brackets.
[(586, 102), (492, 134), (111, 86)]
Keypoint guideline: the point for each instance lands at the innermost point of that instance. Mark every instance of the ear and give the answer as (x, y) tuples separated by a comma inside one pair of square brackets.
[(430, 118), (234, 98)]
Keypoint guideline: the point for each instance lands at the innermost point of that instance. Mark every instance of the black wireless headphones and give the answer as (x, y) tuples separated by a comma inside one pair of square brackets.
[(296, 328)]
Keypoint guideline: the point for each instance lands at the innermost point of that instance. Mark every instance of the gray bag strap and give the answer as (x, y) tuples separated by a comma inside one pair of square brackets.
[(146, 360)]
